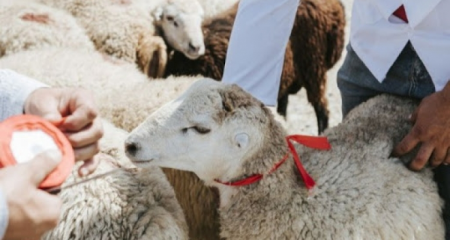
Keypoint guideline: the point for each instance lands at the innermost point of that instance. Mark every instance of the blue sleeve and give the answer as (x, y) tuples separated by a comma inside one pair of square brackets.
[(258, 41), (14, 90)]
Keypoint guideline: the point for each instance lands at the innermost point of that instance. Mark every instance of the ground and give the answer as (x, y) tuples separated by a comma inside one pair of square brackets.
[(301, 117)]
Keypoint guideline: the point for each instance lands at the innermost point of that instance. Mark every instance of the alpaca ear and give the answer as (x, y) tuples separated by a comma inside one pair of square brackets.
[(158, 13), (241, 140)]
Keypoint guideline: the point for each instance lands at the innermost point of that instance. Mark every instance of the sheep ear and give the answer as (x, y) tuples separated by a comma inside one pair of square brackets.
[(158, 13), (234, 97), (241, 140)]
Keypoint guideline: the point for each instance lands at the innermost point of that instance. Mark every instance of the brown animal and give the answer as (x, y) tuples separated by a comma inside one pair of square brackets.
[(315, 45)]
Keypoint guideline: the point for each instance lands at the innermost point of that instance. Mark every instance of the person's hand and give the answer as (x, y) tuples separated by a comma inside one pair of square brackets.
[(82, 127), (431, 129), (32, 212)]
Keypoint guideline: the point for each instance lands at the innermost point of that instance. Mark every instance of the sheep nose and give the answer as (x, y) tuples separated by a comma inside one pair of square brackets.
[(131, 148), (193, 48)]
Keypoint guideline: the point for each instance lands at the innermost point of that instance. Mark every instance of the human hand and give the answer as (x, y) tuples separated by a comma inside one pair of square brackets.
[(32, 211), (82, 126), (432, 129)]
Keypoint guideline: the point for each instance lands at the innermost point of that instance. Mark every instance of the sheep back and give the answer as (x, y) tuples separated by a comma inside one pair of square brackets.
[(27, 26)]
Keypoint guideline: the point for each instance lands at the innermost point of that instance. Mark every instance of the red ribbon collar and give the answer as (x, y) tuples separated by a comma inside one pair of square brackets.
[(309, 141)]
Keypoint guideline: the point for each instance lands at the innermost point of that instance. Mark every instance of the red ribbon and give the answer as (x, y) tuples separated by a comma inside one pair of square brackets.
[(309, 141)]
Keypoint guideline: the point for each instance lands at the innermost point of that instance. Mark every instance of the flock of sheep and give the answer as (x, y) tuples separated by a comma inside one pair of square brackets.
[(136, 56)]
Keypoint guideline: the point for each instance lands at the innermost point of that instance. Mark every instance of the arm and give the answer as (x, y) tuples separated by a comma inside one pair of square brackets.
[(257, 45), (14, 90)]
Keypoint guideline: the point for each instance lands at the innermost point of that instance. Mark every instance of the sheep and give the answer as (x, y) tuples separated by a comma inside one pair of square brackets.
[(213, 8), (315, 45), (129, 204), (136, 30), (28, 25), (125, 97), (223, 135)]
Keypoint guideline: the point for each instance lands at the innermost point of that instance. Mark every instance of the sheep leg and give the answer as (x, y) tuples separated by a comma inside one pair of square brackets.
[(152, 56), (315, 90), (282, 105)]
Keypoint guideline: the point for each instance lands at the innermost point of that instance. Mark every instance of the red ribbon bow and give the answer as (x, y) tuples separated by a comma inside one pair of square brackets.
[(309, 141)]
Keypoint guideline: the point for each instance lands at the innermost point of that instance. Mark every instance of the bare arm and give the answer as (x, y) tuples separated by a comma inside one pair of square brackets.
[(257, 45)]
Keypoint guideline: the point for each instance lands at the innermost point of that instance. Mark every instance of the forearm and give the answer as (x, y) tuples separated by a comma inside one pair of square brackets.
[(4, 214), (14, 90), (255, 54)]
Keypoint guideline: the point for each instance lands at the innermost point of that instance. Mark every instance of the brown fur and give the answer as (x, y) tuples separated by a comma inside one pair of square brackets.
[(315, 45)]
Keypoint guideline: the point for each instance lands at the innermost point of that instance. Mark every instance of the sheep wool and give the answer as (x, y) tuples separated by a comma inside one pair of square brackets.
[(126, 98), (361, 192), (26, 25), (119, 29), (130, 204)]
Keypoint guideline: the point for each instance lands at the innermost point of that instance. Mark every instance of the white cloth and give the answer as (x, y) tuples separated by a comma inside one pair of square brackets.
[(14, 90), (257, 44), (262, 29), (378, 41)]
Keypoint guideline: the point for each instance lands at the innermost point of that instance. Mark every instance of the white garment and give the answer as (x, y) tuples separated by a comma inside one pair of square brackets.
[(378, 42), (258, 41), (14, 90), (262, 29)]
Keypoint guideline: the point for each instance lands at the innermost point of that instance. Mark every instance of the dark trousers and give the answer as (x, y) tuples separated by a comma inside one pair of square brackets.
[(407, 77)]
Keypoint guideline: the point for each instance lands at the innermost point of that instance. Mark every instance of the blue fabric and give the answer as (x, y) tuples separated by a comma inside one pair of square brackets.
[(406, 77)]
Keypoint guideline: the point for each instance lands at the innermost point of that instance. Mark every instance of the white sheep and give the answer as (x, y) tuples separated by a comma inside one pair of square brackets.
[(221, 133), (125, 97), (26, 25), (129, 204), (213, 8), (135, 30)]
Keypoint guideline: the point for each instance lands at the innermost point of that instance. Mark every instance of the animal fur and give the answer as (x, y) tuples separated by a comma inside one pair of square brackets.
[(119, 29), (361, 192), (130, 204), (126, 98), (27, 26), (315, 45)]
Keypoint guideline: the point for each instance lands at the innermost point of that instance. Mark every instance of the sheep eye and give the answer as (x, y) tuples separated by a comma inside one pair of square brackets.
[(169, 18), (201, 130)]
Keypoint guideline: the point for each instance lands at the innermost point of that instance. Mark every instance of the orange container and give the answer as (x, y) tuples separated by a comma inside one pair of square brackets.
[(25, 136)]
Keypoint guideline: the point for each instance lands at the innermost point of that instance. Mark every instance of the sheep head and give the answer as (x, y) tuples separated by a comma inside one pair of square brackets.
[(211, 129), (181, 24)]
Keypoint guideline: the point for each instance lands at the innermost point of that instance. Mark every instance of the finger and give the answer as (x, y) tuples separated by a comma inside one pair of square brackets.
[(406, 145), (42, 165), (438, 156), (80, 118), (447, 158), (86, 152), (88, 167), (422, 157), (87, 136), (49, 207), (413, 116)]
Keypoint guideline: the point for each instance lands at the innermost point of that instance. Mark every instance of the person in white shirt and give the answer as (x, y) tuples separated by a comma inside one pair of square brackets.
[(396, 46)]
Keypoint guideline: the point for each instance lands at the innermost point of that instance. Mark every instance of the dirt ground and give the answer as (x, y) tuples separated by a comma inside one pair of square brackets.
[(301, 118)]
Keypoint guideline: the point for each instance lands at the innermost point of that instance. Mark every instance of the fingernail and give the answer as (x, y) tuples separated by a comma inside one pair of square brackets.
[(54, 155), (84, 172)]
